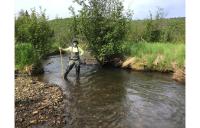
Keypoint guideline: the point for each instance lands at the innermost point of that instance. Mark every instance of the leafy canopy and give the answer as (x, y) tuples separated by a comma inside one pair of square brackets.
[(104, 26)]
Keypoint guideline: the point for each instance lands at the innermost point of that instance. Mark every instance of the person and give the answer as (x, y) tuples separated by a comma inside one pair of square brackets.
[(74, 58)]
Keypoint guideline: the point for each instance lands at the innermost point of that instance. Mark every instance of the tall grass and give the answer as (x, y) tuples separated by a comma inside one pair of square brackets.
[(149, 52), (25, 55)]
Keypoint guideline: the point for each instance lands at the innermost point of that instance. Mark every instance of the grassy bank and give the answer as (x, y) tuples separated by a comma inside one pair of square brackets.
[(156, 56), (25, 55), (27, 59)]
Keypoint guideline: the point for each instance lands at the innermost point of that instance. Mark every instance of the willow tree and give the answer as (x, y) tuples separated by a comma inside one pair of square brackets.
[(104, 26)]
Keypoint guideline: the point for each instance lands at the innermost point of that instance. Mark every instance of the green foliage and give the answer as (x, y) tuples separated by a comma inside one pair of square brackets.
[(171, 53), (33, 28), (175, 32), (172, 30), (25, 55), (103, 25), (33, 37), (62, 32), (157, 29)]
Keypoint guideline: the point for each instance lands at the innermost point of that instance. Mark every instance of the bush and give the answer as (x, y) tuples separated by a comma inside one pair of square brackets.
[(103, 25), (35, 29)]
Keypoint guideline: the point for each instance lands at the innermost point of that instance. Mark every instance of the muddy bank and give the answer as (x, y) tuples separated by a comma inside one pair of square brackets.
[(137, 64), (38, 104)]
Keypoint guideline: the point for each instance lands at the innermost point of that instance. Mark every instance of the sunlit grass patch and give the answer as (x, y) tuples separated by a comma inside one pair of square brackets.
[(158, 56)]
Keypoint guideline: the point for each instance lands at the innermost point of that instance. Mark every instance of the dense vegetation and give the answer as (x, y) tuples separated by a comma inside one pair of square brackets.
[(138, 42), (172, 31), (103, 29), (25, 55), (102, 25), (157, 30), (32, 37)]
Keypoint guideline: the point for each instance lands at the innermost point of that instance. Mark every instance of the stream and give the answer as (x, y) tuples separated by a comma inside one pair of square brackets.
[(117, 98)]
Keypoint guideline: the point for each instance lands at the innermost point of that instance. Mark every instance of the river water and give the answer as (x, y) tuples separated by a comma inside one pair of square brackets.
[(117, 98)]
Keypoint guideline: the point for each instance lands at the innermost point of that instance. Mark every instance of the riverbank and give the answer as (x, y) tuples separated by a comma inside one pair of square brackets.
[(38, 103), (142, 56), (159, 57), (132, 63), (137, 64)]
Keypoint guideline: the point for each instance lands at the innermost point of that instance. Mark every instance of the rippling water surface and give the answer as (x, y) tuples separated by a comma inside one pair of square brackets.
[(116, 98)]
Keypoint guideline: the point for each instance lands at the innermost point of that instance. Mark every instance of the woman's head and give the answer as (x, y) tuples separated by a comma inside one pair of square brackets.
[(75, 42)]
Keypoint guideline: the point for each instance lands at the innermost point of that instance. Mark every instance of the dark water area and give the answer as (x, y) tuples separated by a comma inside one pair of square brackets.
[(116, 98)]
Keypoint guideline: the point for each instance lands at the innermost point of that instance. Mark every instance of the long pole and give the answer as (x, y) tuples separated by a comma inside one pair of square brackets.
[(61, 62)]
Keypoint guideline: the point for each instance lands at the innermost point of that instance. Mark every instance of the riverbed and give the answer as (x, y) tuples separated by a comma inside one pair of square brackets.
[(116, 98)]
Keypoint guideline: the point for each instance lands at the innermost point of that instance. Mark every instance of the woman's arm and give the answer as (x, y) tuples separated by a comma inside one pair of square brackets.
[(65, 49)]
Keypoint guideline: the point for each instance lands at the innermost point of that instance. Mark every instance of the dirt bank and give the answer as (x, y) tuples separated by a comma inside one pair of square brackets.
[(137, 64), (38, 104)]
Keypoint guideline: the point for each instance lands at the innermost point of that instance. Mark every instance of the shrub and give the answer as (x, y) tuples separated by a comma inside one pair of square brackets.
[(103, 25), (35, 29)]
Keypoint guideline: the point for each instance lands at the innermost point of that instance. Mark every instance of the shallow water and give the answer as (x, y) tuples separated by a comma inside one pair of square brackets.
[(116, 98)]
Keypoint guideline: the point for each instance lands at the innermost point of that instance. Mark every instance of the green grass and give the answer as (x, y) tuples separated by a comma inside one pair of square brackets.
[(25, 55), (170, 52)]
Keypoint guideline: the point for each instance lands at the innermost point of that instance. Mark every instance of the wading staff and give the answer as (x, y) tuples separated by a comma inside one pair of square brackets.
[(61, 62)]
